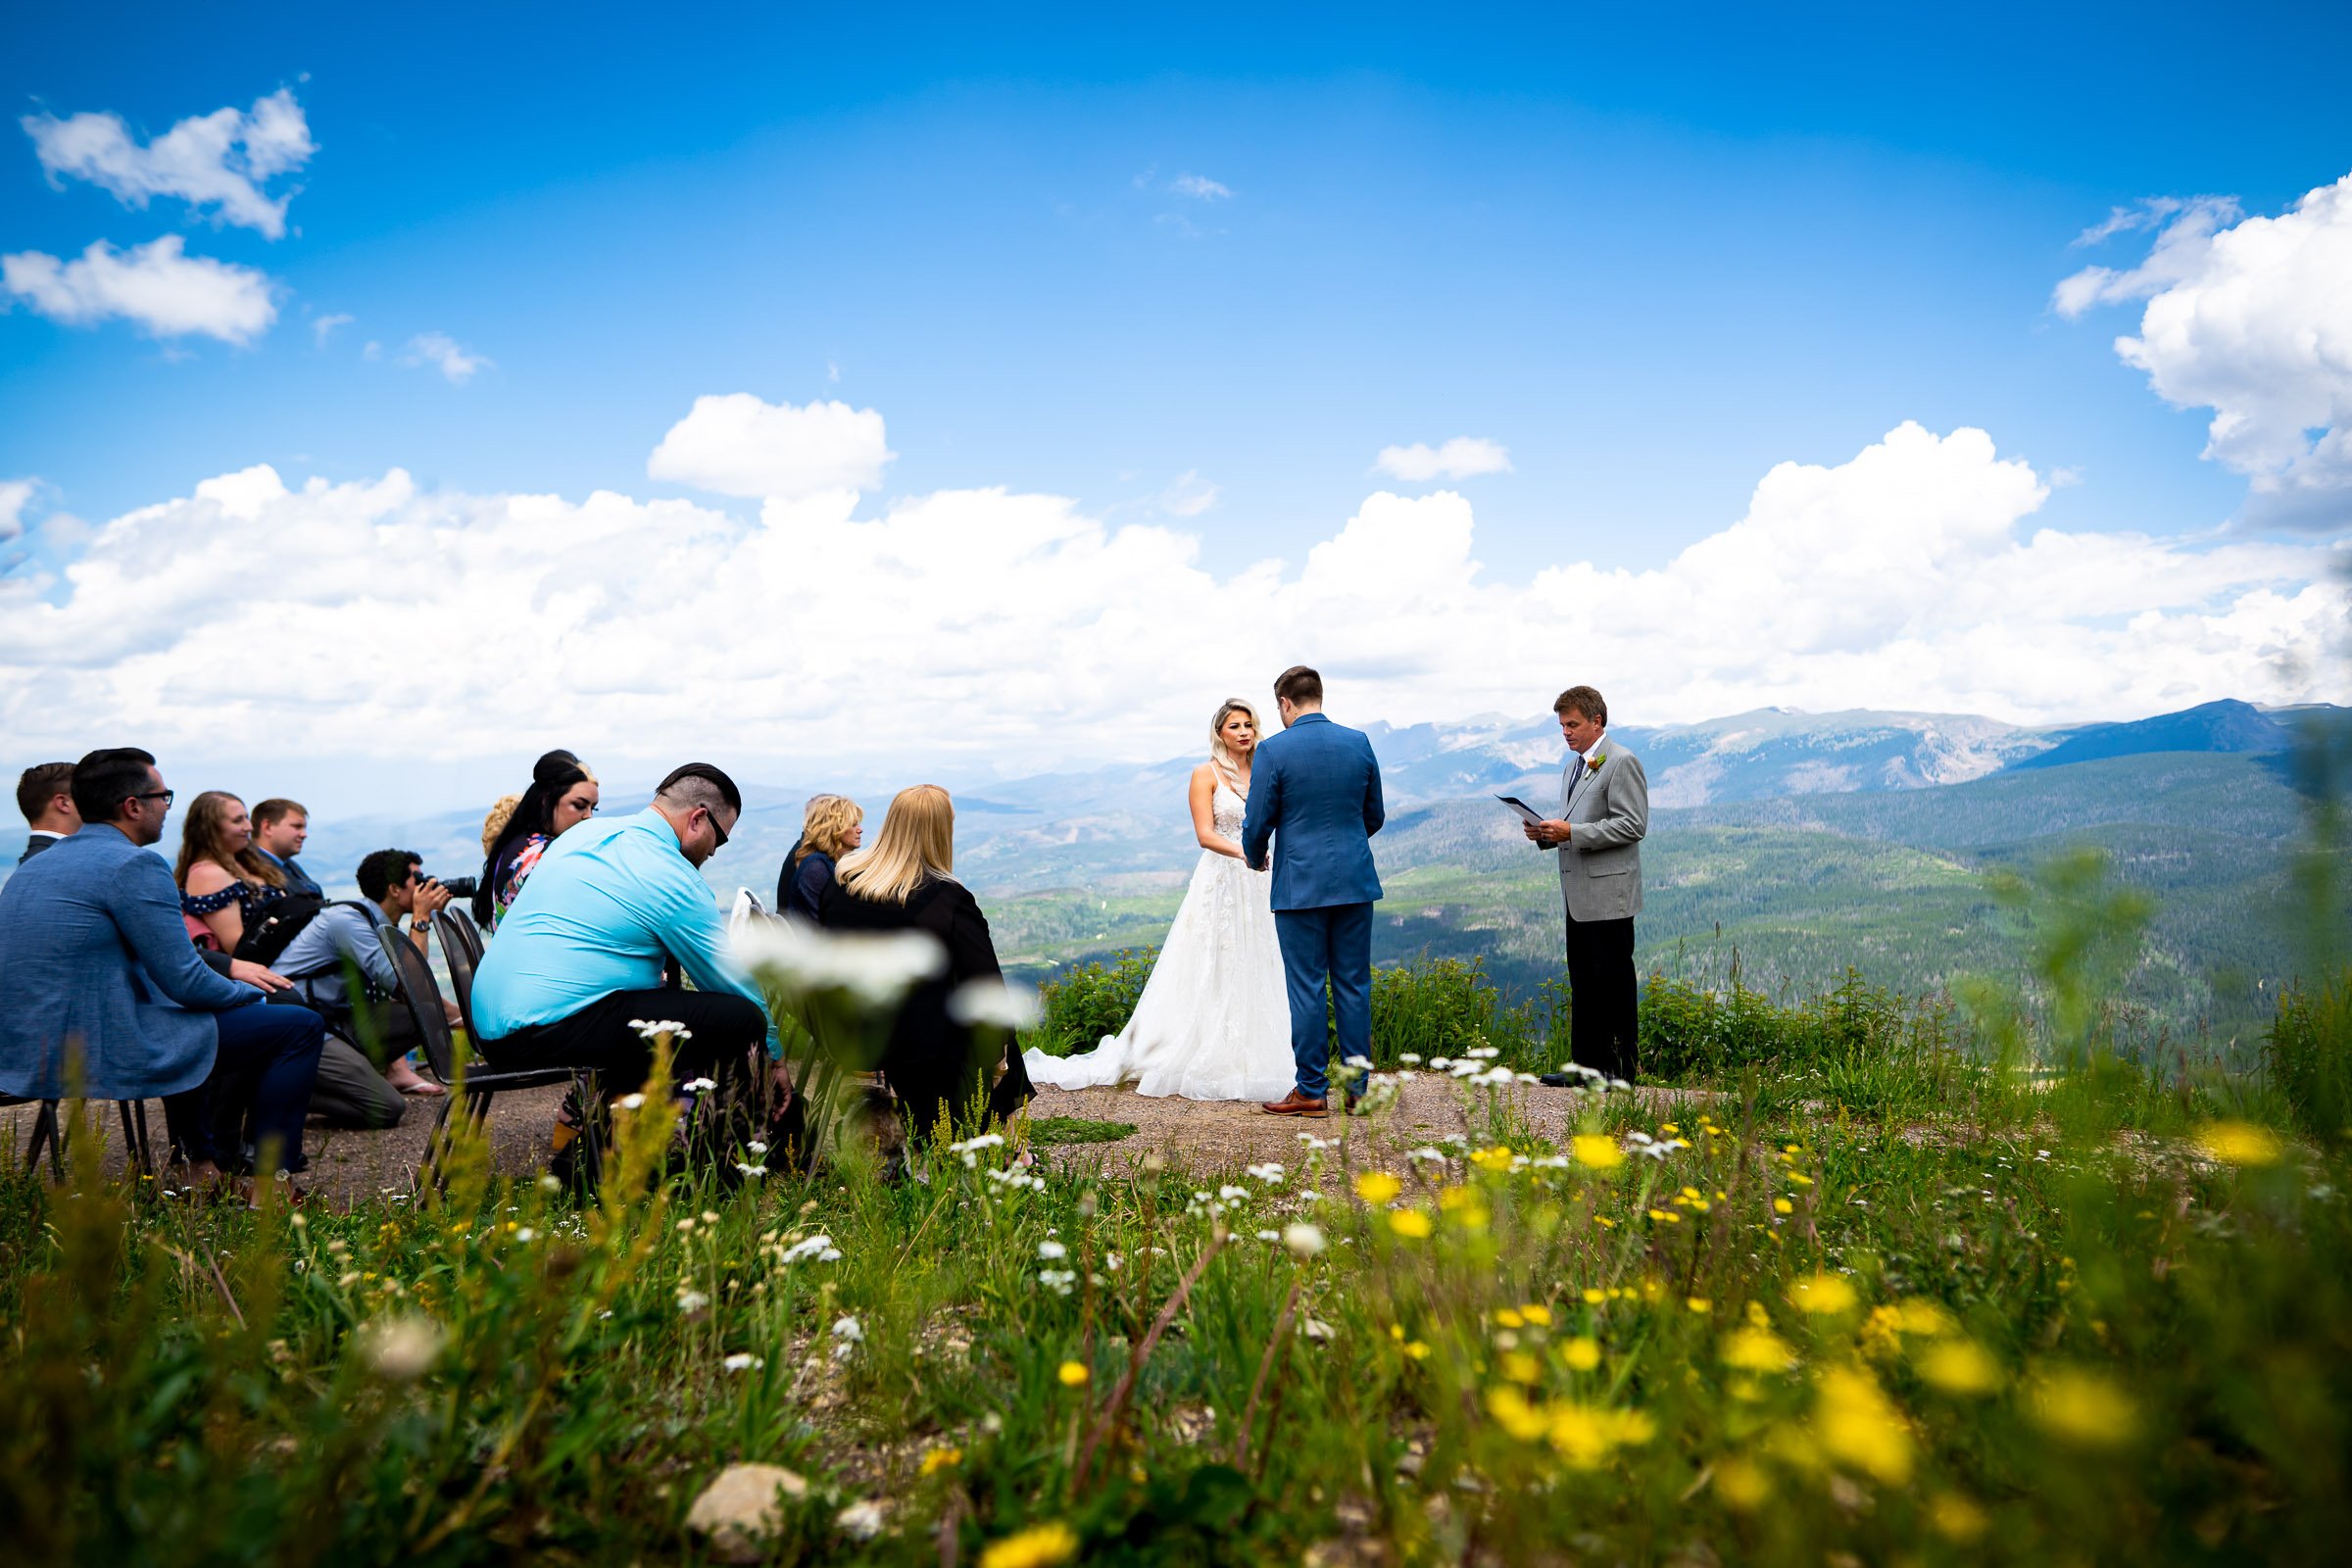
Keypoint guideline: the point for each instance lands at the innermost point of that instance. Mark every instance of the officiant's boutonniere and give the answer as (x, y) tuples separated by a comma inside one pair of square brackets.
[(1593, 763)]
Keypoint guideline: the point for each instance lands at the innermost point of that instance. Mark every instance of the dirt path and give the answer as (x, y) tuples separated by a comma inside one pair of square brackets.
[(1210, 1137)]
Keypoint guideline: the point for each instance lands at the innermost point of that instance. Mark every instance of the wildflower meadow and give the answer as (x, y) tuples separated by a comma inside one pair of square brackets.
[(1857, 1280)]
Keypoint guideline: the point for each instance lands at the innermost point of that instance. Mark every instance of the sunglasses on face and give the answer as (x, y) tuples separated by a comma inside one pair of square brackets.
[(716, 831)]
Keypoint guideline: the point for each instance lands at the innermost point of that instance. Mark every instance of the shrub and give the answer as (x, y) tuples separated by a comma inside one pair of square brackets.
[(2308, 1052), (1089, 1000)]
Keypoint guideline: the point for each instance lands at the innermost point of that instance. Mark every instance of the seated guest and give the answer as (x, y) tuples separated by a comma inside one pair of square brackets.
[(322, 961), (562, 795), (102, 995), (45, 795), (280, 827), (832, 827), (611, 904), (904, 882), (224, 882)]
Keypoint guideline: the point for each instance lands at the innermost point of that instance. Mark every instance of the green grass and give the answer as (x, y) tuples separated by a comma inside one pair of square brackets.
[(1907, 1282), (1077, 1130)]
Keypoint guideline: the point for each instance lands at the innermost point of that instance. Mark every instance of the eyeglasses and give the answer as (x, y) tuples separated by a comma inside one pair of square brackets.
[(716, 831), (163, 795)]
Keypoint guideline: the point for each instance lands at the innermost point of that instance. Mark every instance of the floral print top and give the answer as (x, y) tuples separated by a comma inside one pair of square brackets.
[(512, 871)]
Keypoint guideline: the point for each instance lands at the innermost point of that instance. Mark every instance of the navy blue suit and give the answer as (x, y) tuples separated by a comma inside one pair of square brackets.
[(1314, 791)]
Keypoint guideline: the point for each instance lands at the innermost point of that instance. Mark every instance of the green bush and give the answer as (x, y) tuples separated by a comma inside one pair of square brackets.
[(1084, 1004), (2309, 1050)]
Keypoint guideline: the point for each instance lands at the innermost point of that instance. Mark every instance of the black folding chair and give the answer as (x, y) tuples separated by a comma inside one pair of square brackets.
[(482, 1080), (49, 1133), (456, 929)]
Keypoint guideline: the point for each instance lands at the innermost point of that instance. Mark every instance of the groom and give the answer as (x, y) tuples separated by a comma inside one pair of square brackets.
[(1314, 789)]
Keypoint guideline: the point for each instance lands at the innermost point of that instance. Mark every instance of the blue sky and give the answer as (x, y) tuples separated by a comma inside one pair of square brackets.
[(1650, 259)]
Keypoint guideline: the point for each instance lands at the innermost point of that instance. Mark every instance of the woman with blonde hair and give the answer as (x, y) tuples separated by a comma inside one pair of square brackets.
[(1214, 1019), (905, 880), (832, 826), (224, 882)]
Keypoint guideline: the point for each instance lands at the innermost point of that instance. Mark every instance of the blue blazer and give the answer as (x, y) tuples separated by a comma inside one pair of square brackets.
[(1315, 789), (94, 958)]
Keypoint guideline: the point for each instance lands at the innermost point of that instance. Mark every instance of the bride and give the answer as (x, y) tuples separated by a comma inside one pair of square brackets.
[(1214, 1019)]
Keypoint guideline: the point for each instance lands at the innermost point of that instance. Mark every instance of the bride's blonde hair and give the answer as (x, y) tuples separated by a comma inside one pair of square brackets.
[(1218, 752), (917, 842)]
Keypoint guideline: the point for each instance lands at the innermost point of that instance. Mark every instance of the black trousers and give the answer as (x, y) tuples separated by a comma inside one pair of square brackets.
[(1603, 1020), (720, 1031)]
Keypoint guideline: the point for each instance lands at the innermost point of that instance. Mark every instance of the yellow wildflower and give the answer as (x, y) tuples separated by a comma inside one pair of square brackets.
[(1927, 1318), (2239, 1143), (1038, 1547), (1582, 1353), (1498, 1159), (1598, 1151), (1416, 1350), (1605, 1222), (1593, 1298), (1074, 1373), (1411, 1223), (1584, 1435), (1539, 1315), (1957, 1519), (1782, 1206), (1826, 1294), (1801, 1178), (1665, 1217), (1856, 1423), (1741, 1484), (939, 1459), (1883, 1333), (1758, 1350), (1671, 1130), (1700, 1304), (1510, 1409), (1959, 1367), (1504, 1317), (2083, 1408), (1378, 1187), (1521, 1367)]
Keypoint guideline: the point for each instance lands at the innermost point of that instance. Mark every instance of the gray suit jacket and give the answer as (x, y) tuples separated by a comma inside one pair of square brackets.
[(95, 960), (1607, 814)]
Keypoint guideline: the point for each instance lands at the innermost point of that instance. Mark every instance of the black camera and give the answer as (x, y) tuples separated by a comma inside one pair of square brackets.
[(460, 886)]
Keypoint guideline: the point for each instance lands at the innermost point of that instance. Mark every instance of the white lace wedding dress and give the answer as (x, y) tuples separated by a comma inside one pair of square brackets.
[(1214, 1019)]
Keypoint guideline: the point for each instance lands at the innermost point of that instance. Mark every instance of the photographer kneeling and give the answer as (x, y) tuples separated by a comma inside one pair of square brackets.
[(340, 943)]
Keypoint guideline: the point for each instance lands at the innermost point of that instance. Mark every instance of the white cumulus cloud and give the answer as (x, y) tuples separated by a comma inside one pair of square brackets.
[(1199, 186), (2252, 318), (973, 626), (456, 362), (736, 445), (218, 161), (324, 327), (158, 285), (1462, 458)]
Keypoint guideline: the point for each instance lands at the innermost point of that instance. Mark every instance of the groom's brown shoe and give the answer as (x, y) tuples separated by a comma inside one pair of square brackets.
[(1295, 1104)]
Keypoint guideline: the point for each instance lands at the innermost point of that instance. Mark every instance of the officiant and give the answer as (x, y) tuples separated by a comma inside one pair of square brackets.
[(1604, 814)]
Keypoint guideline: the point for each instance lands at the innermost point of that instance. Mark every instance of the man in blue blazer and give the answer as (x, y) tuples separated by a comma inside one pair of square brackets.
[(102, 994), (1315, 789)]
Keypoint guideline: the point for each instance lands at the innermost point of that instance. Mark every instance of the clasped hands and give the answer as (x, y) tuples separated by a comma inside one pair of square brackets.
[(1550, 833)]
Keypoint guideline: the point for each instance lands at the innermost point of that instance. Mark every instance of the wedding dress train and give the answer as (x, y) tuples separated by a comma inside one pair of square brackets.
[(1214, 1019)]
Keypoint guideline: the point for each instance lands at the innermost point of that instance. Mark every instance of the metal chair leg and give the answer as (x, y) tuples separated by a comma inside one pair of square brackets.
[(136, 1151), (592, 1137), (46, 1129), (429, 1169)]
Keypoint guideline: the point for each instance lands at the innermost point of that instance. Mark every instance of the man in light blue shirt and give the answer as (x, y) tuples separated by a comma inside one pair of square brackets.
[(578, 956)]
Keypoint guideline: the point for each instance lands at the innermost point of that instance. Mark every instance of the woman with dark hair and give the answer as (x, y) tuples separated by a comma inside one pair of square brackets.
[(906, 881), (224, 882), (562, 795)]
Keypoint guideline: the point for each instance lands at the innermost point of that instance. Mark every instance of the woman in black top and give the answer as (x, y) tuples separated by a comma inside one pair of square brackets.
[(903, 883), (831, 829)]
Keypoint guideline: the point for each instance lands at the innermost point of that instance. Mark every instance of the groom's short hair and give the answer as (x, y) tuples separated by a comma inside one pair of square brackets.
[(1586, 701), (1299, 686)]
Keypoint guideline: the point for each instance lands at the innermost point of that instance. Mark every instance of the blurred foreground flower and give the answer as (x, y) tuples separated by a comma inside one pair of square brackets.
[(1073, 1374), (994, 1005), (1829, 1294), (1038, 1547), (1859, 1424), (2239, 1143), (1304, 1239), (1378, 1187), (1598, 1152), (876, 969), (2082, 1408), (1959, 1367), (401, 1350)]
